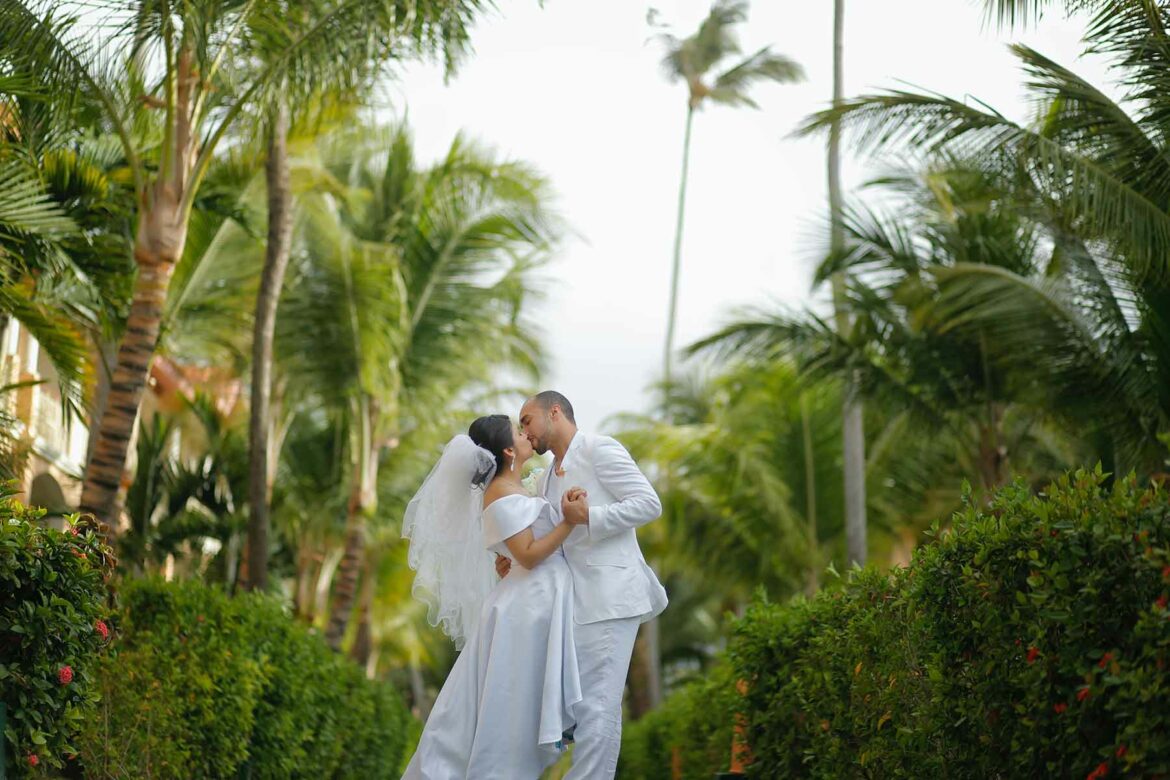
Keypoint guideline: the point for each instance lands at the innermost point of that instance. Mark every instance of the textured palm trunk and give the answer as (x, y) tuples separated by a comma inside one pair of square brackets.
[(158, 245), (992, 454), (362, 503), (161, 235), (363, 642), (264, 324), (852, 423)]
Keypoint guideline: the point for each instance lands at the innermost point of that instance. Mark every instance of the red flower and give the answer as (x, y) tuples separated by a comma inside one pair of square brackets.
[(1166, 572), (33, 760), (1120, 751), (74, 530), (1033, 654), (1105, 659), (65, 675), (1161, 602), (1101, 770), (102, 629), (1083, 693), (1059, 707)]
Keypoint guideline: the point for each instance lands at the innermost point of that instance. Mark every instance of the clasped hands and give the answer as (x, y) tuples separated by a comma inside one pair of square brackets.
[(574, 510)]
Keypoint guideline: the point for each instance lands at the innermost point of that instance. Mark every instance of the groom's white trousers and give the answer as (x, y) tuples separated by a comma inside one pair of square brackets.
[(603, 656)]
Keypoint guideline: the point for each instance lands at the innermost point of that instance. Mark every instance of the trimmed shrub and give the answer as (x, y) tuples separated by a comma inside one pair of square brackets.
[(53, 628), (1029, 639), (1049, 632), (210, 686), (692, 728)]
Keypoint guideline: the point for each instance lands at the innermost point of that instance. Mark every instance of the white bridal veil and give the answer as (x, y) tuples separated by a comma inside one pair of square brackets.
[(454, 571)]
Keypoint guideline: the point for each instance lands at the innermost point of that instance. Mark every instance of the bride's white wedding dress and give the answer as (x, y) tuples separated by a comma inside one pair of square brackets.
[(510, 695)]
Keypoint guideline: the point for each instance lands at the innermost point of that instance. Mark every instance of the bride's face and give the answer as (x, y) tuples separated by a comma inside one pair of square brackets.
[(521, 446)]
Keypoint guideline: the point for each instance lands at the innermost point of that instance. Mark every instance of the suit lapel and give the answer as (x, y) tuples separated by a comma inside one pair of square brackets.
[(574, 452)]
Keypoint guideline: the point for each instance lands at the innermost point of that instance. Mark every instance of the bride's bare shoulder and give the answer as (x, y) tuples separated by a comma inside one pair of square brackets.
[(495, 492)]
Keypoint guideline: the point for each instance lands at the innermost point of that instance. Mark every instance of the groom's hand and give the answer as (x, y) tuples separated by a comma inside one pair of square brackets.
[(503, 565), (575, 506)]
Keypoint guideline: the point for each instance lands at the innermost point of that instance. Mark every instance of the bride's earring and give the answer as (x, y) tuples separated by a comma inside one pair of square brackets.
[(513, 463)]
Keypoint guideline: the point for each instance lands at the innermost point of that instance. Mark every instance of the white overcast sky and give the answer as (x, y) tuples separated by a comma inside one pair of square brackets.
[(576, 89)]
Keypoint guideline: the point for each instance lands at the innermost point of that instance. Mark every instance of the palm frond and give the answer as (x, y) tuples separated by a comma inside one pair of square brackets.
[(26, 209), (730, 87), (57, 335), (1078, 115), (1032, 325), (1086, 191), (688, 59)]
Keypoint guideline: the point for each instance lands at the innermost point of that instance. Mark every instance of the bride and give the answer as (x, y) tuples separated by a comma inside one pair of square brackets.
[(510, 695)]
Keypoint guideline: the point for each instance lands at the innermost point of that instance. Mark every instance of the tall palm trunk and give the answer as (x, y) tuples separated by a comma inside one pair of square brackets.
[(992, 454), (853, 426), (672, 316), (362, 503), (271, 281), (810, 490), (647, 661), (158, 245), (362, 650)]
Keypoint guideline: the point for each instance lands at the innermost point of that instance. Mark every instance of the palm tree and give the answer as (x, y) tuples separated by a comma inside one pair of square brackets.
[(909, 350), (408, 291), (163, 81), (1092, 172), (180, 500), (60, 212), (452, 40), (736, 501), (701, 62)]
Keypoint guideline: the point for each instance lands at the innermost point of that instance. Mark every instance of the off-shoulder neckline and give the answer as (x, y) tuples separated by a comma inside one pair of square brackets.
[(510, 495)]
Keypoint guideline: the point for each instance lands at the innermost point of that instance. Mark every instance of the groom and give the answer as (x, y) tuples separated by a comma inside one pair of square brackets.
[(614, 589)]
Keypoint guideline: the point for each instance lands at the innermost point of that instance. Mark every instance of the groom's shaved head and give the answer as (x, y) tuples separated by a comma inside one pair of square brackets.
[(548, 422), (547, 399)]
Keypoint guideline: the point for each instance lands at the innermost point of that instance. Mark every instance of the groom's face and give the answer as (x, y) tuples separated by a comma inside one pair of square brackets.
[(536, 423)]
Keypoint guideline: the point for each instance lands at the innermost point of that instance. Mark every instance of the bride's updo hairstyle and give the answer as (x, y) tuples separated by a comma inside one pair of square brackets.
[(494, 434)]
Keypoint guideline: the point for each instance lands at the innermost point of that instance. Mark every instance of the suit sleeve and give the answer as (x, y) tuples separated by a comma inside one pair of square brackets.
[(636, 502)]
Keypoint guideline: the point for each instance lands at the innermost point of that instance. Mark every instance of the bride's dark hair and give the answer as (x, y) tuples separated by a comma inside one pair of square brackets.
[(494, 434)]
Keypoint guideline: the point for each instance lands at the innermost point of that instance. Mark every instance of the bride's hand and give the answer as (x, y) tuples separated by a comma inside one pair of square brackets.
[(575, 506)]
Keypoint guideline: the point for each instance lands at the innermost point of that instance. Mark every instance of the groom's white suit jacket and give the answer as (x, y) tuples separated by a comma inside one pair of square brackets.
[(610, 576)]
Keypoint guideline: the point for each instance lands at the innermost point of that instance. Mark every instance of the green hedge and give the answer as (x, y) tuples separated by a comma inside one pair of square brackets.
[(1031, 638), (693, 724), (53, 628), (206, 686)]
